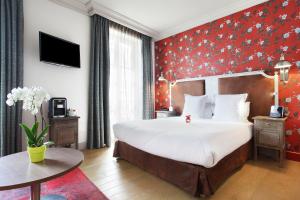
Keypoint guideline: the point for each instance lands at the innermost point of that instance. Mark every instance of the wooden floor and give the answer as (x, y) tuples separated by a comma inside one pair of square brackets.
[(261, 180)]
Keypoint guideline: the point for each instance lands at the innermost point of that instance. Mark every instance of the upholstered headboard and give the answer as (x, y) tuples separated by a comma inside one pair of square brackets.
[(195, 88), (259, 88)]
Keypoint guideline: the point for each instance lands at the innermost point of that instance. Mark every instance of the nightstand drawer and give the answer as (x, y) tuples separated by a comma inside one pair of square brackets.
[(268, 138), (269, 126)]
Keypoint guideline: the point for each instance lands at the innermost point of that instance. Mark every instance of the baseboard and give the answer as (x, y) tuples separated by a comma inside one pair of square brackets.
[(293, 156), (82, 145)]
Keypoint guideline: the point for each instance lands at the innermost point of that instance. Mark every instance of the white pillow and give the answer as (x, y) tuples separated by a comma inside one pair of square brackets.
[(244, 111), (208, 110), (194, 106), (227, 107)]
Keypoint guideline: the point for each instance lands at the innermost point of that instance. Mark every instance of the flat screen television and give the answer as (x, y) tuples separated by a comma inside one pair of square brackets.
[(57, 51)]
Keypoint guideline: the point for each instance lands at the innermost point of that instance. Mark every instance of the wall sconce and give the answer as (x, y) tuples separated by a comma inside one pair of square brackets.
[(284, 67), (161, 78)]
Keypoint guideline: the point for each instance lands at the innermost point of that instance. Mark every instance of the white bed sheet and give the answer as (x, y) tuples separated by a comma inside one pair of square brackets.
[(203, 142)]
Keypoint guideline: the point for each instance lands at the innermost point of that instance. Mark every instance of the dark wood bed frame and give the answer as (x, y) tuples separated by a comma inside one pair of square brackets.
[(195, 179)]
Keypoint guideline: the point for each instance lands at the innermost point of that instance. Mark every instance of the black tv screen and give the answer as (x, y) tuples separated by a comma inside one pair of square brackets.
[(58, 51)]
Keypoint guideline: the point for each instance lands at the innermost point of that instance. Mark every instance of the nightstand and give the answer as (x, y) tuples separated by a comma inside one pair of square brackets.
[(64, 131), (269, 133), (165, 113)]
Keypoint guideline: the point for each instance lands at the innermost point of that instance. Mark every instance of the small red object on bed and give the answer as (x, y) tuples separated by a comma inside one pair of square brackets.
[(188, 119)]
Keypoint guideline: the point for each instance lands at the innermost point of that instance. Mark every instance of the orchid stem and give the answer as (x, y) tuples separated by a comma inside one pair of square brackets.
[(42, 116)]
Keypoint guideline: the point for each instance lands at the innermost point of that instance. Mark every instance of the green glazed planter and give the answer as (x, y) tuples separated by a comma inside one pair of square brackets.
[(36, 154)]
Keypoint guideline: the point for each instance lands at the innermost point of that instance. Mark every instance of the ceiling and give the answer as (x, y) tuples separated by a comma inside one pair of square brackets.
[(161, 15), (163, 18)]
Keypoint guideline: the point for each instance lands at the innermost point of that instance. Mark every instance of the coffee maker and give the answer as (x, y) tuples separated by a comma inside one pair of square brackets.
[(57, 107)]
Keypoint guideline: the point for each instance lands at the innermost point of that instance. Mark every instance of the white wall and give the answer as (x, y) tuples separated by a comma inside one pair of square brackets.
[(72, 83)]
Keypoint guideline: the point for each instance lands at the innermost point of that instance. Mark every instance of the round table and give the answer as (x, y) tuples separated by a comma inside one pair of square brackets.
[(17, 171)]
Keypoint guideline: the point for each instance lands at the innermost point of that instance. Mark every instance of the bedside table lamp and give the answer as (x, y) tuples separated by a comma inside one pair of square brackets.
[(284, 67), (170, 84)]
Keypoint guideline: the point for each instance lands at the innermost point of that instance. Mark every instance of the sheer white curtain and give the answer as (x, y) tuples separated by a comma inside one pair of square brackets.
[(126, 75)]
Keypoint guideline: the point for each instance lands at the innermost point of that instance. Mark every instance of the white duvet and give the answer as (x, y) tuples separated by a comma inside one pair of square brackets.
[(203, 142)]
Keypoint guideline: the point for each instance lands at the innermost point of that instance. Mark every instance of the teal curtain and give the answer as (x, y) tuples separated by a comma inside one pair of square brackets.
[(11, 73), (98, 114), (148, 82)]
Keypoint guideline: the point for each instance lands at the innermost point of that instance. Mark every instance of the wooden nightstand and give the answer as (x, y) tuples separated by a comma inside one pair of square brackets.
[(64, 131), (269, 133), (165, 113)]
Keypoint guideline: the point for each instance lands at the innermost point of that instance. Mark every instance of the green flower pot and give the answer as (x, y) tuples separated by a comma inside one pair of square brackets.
[(36, 154)]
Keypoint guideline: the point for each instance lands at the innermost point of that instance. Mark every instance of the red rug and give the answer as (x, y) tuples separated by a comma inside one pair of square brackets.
[(73, 186)]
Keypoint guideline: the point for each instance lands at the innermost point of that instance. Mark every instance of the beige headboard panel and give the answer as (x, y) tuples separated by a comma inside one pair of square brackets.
[(195, 88)]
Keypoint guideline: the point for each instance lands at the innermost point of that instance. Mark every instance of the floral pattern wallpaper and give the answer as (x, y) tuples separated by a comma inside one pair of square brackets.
[(252, 39)]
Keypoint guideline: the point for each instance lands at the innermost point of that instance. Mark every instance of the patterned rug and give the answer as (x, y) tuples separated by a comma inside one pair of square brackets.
[(73, 186)]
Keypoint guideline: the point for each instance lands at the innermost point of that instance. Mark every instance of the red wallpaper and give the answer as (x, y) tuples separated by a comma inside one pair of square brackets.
[(249, 40)]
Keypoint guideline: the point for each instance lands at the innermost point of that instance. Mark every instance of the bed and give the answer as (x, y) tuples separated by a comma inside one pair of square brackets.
[(173, 138), (176, 152)]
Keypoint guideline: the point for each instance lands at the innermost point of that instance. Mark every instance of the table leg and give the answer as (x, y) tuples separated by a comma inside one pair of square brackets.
[(36, 191)]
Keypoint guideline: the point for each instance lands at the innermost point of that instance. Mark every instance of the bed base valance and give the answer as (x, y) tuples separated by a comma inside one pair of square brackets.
[(194, 179)]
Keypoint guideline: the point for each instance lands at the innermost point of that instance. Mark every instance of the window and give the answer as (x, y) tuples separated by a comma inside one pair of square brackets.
[(126, 75)]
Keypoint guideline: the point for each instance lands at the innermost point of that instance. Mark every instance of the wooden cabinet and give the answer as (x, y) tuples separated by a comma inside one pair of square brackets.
[(165, 113), (64, 131), (269, 133)]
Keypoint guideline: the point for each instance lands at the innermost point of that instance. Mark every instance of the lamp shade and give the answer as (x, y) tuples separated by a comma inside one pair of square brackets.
[(161, 77), (284, 67), (282, 63)]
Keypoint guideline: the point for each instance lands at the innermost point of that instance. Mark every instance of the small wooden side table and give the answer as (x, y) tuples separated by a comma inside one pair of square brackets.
[(64, 131), (269, 133), (17, 171)]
